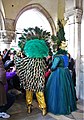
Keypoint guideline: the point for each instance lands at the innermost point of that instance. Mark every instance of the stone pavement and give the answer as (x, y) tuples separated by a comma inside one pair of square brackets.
[(18, 112)]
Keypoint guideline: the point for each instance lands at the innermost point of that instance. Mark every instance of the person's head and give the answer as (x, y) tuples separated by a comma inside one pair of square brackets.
[(19, 53), (14, 52), (5, 50)]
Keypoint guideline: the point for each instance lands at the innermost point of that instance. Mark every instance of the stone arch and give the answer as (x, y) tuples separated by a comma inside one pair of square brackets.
[(40, 9)]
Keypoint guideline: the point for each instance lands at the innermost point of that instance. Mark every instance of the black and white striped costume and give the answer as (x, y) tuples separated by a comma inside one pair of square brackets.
[(31, 72)]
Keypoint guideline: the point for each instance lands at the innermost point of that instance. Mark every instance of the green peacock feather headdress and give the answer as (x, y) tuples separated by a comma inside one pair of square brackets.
[(35, 39), (59, 39)]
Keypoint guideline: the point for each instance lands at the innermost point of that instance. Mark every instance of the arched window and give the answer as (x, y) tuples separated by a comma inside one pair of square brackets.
[(32, 18)]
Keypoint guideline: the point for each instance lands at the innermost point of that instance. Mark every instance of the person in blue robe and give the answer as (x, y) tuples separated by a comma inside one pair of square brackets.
[(59, 91)]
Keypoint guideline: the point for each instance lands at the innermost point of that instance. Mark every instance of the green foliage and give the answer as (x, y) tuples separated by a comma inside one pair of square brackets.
[(61, 33)]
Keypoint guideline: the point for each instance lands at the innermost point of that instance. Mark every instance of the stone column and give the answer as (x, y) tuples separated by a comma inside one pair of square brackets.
[(74, 17), (70, 34), (78, 17), (6, 38)]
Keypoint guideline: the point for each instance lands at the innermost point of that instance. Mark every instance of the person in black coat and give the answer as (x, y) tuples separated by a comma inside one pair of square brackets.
[(71, 67)]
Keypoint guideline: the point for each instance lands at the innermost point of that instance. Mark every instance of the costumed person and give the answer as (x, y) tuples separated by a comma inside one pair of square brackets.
[(9, 76), (31, 69), (6, 99), (59, 91)]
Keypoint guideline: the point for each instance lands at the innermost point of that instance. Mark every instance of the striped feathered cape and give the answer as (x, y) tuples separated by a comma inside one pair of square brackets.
[(31, 72)]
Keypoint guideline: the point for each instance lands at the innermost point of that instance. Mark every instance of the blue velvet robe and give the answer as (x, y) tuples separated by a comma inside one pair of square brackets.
[(59, 91)]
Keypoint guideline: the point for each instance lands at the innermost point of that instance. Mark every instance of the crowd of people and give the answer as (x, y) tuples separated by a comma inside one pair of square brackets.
[(8, 80), (52, 79)]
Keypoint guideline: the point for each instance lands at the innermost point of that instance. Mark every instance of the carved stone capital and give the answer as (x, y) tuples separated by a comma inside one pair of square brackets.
[(76, 14), (7, 36)]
